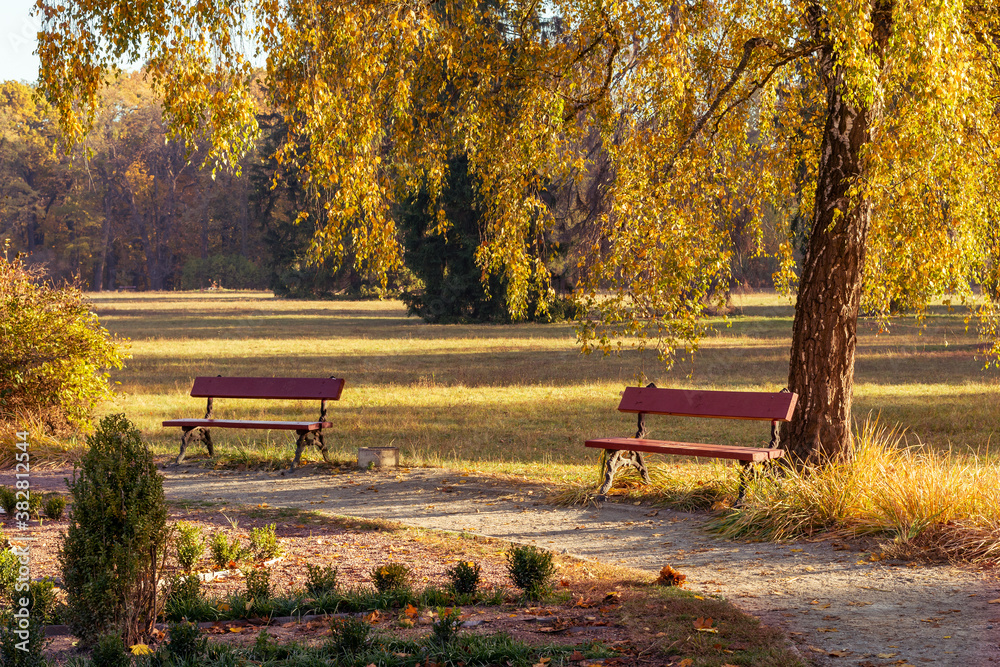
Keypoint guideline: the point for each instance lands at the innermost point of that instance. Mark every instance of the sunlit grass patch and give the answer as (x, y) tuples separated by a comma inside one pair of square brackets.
[(928, 501)]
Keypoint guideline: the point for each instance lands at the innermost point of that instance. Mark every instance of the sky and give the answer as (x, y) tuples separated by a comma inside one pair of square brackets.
[(17, 41)]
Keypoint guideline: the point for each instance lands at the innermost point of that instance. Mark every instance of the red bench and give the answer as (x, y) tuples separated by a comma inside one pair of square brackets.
[(622, 452), (321, 389)]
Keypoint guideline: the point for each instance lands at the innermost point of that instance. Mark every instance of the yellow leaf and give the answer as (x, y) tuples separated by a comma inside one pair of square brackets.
[(140, 649)]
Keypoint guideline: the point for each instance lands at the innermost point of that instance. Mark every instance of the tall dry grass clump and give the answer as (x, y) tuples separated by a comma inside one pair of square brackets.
[(930, 503)]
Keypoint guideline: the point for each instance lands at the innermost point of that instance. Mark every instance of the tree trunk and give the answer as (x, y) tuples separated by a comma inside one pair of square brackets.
[(824, 334)]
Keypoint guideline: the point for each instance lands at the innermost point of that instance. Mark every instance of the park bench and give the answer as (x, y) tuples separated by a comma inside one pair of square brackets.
[(623, 452), (321, 389)]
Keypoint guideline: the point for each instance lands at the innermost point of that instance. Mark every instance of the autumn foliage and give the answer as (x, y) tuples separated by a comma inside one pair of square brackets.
[(56, 354)]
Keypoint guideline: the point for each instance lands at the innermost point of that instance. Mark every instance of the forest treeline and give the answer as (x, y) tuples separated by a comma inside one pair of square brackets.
[(132, 208)]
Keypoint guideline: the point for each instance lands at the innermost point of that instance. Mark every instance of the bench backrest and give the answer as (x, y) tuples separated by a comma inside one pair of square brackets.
[(303, 388), (771, 406)]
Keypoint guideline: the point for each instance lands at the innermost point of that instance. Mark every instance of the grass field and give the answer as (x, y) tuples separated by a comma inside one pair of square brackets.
[(509, 398)]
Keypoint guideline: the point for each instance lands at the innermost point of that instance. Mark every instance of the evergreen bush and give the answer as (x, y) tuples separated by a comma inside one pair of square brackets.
[(531, 570), (190, 545), (116, 540)]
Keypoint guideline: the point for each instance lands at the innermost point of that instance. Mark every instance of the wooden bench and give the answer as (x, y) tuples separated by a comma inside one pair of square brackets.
[(321, 389), (622, 452)]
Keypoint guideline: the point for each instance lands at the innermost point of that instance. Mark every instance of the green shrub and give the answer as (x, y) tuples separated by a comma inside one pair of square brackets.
[(350, 634), (11, 653), (109, 651), (225, 551), (264, 543), (116, 539), (320, 580), (54, 506), (531, 570), (42, 597), (190, 545), (8, 501), (183, 595), (391, 577), (9, 565), (445, 627), (186, 641), (55, 352), (258, 581), (464, 578)]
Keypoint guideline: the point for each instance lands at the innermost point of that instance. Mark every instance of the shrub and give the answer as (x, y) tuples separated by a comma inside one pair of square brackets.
[(109, 651), (54, 506), (186, 641), (225, 551), (8, 501), (320, 580), (264, 542), (258, 582), (445, 628), (190, 545), (350, 634), (42, 596), (10, 653), (55, 351), (391, 577), (183, 595), (531, 570), (464, 578), (116, 537), (9, 565)]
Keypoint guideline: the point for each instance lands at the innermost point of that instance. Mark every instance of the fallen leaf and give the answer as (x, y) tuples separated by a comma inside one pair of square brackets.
[(997, 601), (704, 625), (373, 617), (886, 656), (686, 662), (235, 628), (140, 649), (839, 654), (575, 656), (827, 630), (411, 611)]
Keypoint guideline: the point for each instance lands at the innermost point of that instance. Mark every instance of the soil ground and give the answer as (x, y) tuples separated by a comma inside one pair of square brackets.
[(840, 603)]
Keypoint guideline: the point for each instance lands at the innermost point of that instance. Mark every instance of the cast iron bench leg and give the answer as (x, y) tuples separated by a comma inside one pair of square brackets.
[(746, 467), (189, 436), (617, 459)]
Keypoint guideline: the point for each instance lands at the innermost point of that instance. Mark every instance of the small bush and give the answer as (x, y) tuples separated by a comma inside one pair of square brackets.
[(445, 628), (190, 545), (264, 543), (464, 578), (54, 506), (9, 565), (391, 577), (531, 570), (350, 635), (42, 596), (225, 551), (113, 548), (109, 651), (321, 580), (183, 594), (10, 654), (258, 581), (8, 501), (186, 641), (55, 350)]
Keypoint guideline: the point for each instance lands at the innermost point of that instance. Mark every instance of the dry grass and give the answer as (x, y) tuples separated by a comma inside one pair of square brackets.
[(931, 503)]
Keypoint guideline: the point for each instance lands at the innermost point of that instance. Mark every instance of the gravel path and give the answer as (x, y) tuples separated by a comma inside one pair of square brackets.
[(837, 606)]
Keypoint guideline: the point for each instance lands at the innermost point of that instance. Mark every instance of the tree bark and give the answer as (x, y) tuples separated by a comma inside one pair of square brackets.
[(824, 333)]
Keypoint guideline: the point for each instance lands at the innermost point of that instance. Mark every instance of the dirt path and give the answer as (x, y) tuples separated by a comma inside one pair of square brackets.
[(838, 606)]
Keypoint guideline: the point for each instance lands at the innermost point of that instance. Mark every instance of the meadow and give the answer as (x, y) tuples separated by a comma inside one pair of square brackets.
[(516, 399)]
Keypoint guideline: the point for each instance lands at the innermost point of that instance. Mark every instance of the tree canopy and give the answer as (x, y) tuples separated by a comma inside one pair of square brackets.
[(866, 129)]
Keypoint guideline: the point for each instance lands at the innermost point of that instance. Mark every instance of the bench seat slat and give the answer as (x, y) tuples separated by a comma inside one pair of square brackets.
[(261, 387), (688, 449), (773, 406), (251, 424)]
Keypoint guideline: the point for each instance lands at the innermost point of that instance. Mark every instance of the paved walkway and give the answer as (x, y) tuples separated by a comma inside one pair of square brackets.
[(838, 606)]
